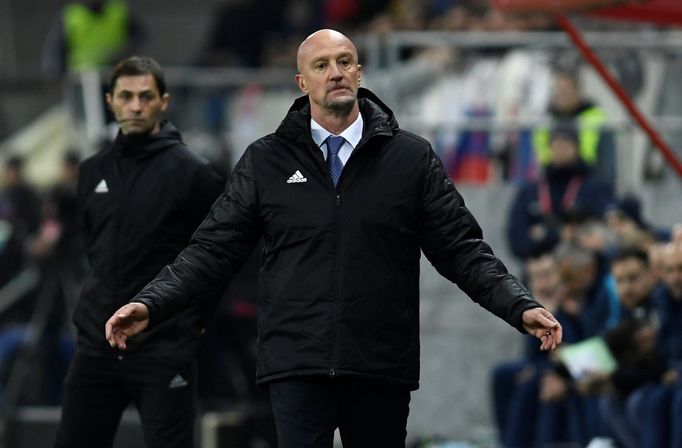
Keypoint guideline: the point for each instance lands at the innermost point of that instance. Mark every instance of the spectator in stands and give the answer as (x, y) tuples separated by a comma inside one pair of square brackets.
[(636, 385), (20, 202), (60, 234), (672, 334), (239, 34), (636, 289), (19, 214), (344, 201), (91, 34), (19, 220), (635, 283), (515, 384), (566, 186), (672, 300), (584, 284), (140, 200), (568, 107), (63, 202), (658, 411), (624, 217), (57, 249), (564, 415)]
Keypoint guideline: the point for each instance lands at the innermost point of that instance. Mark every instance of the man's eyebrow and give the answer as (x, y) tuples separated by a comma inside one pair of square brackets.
[(319, 58), (141, 92), (332, 56)]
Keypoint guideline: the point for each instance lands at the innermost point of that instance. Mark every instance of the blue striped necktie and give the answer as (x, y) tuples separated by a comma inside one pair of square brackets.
[(333, 161)]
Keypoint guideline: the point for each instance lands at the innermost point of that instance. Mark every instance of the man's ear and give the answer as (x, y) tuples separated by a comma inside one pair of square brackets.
[(300, 82), (164, 102), (109, 99)]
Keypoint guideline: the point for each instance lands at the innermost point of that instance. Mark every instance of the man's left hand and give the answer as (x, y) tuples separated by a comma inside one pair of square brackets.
[(543, 325)]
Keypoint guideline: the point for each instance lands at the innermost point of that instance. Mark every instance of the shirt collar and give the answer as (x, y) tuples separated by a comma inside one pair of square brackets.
[(352, 133)]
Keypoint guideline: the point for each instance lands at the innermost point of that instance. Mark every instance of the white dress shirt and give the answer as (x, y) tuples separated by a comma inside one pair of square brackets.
[(352, 134)]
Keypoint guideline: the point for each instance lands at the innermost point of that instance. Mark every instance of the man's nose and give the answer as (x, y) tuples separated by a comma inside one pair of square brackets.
[(135, 104), (335, 72)]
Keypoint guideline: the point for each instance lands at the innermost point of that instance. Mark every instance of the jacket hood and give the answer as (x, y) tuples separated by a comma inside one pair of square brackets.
[(145, 145), (378, 117)]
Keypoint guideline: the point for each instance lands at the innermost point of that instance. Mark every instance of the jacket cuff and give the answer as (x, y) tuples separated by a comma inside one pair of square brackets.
[(517, 320), (153, 314)]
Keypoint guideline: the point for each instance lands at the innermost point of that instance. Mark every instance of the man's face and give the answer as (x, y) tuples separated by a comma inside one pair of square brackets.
[(543, 277), (565, 94), (329, 72), (621, 224), (577, 277), (672, 269), (633, 281), (137, 104)]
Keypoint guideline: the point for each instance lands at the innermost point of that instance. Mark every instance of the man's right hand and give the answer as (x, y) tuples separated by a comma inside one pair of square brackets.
[(127, 321)]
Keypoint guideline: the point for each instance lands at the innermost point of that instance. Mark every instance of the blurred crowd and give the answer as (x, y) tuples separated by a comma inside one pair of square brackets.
[(242, 36), (42, 261), (611, 277), (96, 33), (613, 280)]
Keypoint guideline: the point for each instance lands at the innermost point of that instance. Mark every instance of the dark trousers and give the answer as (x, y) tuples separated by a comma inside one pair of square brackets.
[(97, 390), (308, 410)]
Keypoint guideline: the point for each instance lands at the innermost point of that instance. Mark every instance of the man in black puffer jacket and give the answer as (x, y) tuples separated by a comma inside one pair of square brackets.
[(345, 202), (140, 201)]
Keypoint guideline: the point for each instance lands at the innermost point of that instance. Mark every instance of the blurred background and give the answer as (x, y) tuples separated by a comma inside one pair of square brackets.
[(486, 84)]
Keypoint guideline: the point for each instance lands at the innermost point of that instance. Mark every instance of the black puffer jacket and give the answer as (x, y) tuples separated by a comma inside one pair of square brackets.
[(339, 284), (140, 201)]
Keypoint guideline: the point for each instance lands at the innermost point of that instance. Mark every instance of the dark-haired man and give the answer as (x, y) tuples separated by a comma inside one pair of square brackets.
[(637, 288), (140, 201)]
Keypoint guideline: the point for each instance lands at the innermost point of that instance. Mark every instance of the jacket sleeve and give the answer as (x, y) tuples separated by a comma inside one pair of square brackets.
[(217, 250), (452, 241)]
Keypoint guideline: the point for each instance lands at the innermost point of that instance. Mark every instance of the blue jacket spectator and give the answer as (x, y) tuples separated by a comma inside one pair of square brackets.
[(567, 186)]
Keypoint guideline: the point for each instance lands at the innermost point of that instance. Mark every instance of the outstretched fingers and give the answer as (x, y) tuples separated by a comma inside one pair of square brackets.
[(550, 333), (114, 334), (127, 321), (542, 324)]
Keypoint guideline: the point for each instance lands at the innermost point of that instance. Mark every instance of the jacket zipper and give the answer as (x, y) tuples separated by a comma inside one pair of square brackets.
[(332, 369), (335, 345), (119, 222)]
